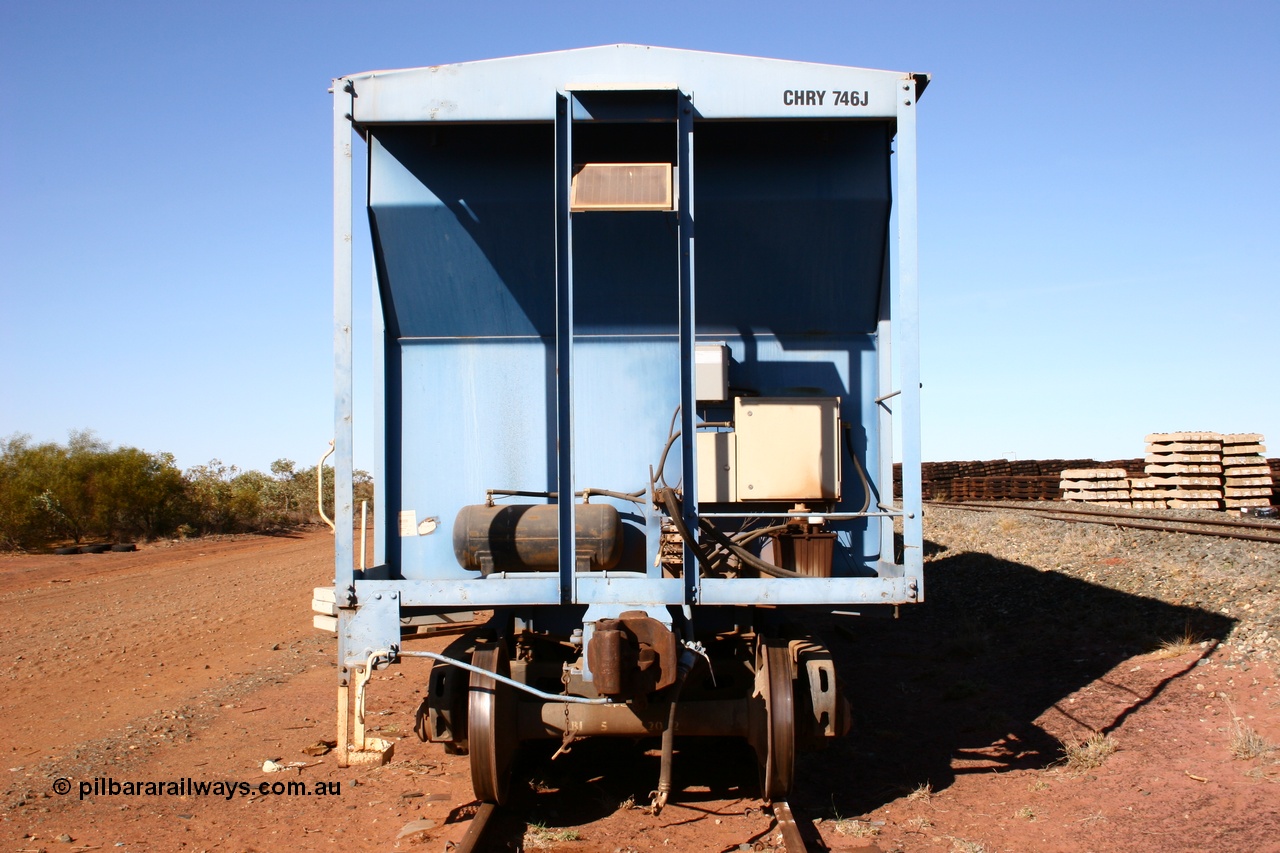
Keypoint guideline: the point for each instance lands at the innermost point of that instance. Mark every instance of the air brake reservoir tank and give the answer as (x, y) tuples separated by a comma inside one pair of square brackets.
[(523, 537)]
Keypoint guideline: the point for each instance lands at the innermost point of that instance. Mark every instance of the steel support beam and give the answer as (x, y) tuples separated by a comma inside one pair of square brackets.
[(688, 337), (342, 374), (907, 333), (564, 345)]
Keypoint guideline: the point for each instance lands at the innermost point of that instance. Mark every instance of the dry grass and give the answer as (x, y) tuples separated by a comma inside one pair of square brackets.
[(1089, 754), (1026, 813), (856, 828), (1246, 744), (1008, 524), (960, 845), (539, 837), (923, 793), (1177, 647)]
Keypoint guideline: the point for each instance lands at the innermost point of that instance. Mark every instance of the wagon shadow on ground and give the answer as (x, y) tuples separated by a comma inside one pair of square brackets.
[(963, 678), (966, 675), (600, 776)]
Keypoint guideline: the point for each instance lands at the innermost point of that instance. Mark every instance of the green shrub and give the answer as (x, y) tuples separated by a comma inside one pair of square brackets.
[(86, 489)]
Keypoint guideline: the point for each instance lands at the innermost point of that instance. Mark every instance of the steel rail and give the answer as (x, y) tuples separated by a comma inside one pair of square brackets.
[(1217, 522), (787, 826), (475, 832), (1135, 521)]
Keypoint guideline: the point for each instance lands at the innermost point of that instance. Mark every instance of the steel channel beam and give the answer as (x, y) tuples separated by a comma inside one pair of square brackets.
[(768, 591), (380, 528), (906, 316), (564, 345), (884, 409), (688, 342), (344, 572), (542, 588)]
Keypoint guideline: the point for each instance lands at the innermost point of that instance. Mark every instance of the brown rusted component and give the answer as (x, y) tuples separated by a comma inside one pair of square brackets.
[(605, 657), (695, 718), (525, 537), (632, 655), (806, 553)]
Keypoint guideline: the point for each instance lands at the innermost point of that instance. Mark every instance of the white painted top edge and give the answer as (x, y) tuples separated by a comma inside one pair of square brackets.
[(720, 85)]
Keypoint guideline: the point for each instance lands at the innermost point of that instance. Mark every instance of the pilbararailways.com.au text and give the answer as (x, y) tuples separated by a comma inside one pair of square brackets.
[(227, 789)]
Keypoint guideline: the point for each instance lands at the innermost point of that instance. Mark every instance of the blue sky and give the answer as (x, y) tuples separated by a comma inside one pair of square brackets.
[(1098, 193)]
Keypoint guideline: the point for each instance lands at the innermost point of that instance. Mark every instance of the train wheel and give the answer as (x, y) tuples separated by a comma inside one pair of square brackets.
[(778, 765), (491, 725)]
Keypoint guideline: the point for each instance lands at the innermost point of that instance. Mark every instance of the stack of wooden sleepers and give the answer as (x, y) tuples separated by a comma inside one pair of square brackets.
[(1099, 486), (1184, 471), (1247, 477), (1012, 488)]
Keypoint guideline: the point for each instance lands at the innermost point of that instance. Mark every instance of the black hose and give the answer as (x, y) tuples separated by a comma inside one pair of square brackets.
[(687, 662), (746, 556), (672, 504), (634, 497)]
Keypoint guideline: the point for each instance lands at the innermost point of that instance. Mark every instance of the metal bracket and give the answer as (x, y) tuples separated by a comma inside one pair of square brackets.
[(375, 624)]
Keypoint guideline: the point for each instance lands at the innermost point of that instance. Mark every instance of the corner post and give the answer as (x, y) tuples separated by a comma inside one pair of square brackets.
[(907, 343)]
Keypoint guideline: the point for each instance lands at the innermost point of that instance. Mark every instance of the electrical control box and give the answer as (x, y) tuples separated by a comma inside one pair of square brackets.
[(787, 448), (711, 373)]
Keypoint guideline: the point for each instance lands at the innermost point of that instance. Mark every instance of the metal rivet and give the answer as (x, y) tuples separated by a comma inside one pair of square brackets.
[(377, 596)]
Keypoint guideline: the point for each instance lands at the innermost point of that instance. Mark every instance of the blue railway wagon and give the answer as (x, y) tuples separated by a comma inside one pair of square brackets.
[(634, 391)]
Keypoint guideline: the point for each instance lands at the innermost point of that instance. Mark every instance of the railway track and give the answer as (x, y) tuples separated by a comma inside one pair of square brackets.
[(1253, 531), (476, 838)]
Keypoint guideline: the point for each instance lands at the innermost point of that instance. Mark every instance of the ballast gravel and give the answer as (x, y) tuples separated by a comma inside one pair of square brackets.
[(1235, 578)]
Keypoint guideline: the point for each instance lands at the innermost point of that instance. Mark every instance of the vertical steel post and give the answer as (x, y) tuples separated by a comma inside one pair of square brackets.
[(342, 166), (380, 516), (567, 541), (884, 408), (907, 333), (688, 338), (343, 571)]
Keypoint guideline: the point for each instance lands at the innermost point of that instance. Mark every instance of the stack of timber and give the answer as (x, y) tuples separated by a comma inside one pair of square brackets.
[(1247, 478), (1012, 488), (1100, 486), (1002, 479), (1185, 471)]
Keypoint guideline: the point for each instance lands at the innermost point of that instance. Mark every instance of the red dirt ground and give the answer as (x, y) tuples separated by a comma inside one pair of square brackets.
[(197, 660)]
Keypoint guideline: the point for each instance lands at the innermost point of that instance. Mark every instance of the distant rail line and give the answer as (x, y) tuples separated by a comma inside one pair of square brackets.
[(1222, 528)]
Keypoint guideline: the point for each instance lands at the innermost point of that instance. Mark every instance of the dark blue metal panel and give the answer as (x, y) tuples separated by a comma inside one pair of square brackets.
[(464, 220), (792, 224)]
